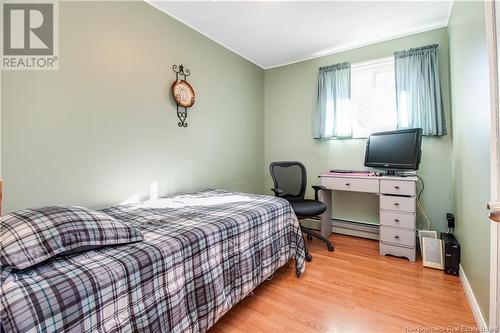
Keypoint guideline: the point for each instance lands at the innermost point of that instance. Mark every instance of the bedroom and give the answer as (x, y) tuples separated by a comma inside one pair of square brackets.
[(100, 129)]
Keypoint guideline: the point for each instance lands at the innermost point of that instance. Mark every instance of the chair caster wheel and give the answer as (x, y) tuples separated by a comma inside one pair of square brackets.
[(309, 237), (330, 248), (309, 257)]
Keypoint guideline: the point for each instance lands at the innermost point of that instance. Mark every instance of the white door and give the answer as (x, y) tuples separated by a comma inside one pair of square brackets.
[(493, 30), (496, 321)]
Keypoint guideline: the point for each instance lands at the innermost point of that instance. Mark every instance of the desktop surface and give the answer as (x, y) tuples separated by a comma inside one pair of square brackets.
[(371, 175)]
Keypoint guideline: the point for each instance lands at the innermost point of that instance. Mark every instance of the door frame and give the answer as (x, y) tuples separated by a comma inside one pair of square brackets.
[(492, 31)]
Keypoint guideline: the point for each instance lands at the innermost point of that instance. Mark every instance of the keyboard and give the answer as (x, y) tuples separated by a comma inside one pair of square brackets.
[(350, 171)]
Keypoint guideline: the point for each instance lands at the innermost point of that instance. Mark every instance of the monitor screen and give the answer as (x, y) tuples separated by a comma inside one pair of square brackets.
[(394, 149)]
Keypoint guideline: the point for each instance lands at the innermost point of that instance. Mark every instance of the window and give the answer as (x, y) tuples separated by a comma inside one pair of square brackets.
[(373, 97), (356, 100)]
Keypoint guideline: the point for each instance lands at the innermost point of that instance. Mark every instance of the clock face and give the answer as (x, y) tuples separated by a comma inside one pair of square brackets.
[(183, 93)]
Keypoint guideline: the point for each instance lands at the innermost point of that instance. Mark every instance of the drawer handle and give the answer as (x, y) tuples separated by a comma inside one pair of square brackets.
[(397, 237), (396, 204), (396, 187), (347, 184), (396, 220)]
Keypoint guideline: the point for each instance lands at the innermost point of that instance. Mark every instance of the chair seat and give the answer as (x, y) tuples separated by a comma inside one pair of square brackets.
[(306, 207)]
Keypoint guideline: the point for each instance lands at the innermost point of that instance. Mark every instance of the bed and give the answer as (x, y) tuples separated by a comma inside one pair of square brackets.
[(202, 253)]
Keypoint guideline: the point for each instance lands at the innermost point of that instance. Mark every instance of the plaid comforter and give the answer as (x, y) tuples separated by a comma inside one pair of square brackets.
[(201, 254)]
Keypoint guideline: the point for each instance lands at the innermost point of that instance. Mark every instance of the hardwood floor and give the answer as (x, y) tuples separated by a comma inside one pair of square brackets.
[(353, 290)]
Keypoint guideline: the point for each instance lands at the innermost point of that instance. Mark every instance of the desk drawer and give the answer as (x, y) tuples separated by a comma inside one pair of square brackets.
[(397, 236), (351, 184), (398, 204), (397, 187), (398, 220)]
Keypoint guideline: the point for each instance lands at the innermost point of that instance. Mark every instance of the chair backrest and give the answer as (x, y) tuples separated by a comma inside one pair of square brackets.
[(291, 177)]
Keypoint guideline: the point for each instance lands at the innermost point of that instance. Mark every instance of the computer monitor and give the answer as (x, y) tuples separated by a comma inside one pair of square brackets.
[(394, 150)]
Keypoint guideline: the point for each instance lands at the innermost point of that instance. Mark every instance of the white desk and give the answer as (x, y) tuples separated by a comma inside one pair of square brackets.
[(397, 208)]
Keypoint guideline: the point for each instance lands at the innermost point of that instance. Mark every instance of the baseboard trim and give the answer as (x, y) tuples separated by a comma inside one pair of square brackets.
[(344, 227), (355, 233), (357, 229), (476, 311)]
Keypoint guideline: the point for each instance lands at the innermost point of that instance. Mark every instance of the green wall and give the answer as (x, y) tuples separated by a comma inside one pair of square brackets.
[(290, 96), (471, 142), (103, 127)]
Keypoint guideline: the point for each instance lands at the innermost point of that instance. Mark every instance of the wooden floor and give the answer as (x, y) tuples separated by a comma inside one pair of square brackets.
[(353, 290)]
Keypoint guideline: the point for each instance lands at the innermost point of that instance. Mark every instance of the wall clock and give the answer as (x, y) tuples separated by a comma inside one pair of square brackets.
[(183, 93)]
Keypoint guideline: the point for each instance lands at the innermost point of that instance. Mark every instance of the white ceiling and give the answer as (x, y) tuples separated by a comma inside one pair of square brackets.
[(271, 34)]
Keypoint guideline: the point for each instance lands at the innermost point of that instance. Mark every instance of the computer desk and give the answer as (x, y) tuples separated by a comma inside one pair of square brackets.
[(398, 207)]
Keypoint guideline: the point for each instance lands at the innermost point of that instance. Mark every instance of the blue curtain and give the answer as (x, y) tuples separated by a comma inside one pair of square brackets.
[(418, 90), (332, 114)]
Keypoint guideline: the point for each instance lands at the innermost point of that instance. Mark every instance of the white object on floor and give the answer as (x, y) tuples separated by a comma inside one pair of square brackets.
[(426, 233), (432, 253)]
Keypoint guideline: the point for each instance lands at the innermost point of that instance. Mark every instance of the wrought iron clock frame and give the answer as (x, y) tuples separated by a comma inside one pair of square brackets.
[(182, 73)]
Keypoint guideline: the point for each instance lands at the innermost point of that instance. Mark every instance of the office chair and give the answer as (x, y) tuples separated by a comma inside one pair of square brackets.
[(290, 181)]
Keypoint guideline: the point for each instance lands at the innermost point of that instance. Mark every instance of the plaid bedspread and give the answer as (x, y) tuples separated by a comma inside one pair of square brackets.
[(201, 254)]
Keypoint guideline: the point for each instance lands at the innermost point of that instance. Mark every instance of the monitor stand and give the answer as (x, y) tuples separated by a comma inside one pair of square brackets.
[(390, 172)]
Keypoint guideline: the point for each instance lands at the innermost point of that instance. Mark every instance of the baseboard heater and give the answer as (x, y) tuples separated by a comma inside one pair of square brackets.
[(346, 227)]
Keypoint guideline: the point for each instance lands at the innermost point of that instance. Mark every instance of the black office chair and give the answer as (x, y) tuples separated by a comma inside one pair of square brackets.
[(290, 181)]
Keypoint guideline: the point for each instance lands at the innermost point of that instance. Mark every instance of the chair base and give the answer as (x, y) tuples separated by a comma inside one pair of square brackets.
[(310, 234)]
